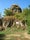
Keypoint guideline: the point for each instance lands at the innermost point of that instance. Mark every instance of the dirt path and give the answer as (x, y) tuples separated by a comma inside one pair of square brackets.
[(19, 35), (15, 34), (26, 35)]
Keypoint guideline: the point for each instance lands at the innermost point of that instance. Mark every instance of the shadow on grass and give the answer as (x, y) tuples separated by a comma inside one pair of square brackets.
[(2, 36)]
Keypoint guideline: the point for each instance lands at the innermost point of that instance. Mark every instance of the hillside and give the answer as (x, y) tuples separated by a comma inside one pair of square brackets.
[(16, 15)]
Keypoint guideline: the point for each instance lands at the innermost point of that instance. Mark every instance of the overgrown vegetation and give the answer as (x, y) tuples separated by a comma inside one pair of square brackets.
[(25, 15)]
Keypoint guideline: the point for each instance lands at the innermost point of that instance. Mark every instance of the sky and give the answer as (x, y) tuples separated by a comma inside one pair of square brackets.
[(8, 3)]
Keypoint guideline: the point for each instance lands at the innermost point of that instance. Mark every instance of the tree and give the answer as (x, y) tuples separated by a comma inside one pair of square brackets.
[(0, 14), (7, 12), (27, 14), (20, 16), (29, 6), (12, 10)]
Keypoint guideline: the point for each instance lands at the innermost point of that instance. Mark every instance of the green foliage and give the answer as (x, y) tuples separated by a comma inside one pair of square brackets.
[(25, 15), (7, 12), (20, 16), (27, 12), (28, 30)]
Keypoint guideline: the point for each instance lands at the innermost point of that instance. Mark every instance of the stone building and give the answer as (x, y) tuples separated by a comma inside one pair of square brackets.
[(7, 21), (15, 8)]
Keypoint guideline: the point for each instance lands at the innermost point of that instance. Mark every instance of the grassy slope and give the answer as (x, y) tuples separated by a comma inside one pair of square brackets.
[(13, 30)]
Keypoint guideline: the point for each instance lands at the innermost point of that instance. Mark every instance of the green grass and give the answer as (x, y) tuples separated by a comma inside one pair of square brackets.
[(28, 29), (14, 29), (11, 30)]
